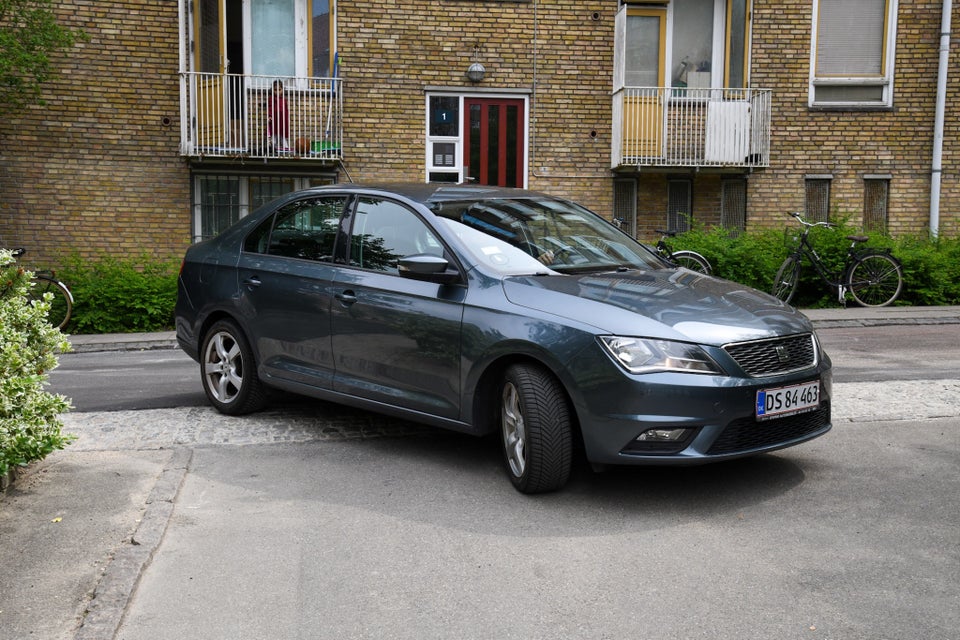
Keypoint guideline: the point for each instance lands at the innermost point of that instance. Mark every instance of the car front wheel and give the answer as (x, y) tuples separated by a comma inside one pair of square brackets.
[(536, 430), (229, 372)]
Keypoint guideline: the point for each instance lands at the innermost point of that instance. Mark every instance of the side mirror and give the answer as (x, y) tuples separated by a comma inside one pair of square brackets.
[(429, 268)]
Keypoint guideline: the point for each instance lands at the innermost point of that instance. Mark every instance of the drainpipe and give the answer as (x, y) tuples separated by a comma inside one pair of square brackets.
[(936, 169)]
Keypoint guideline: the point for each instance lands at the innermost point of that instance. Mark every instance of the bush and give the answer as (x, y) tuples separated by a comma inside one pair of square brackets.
[(30, 425), (119, 296), (931, 267)]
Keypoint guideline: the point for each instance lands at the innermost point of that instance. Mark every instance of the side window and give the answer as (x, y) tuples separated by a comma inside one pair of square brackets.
[(304, 229), (385, 231)]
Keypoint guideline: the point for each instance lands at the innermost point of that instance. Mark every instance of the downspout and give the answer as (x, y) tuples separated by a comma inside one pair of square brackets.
[(936, 170)]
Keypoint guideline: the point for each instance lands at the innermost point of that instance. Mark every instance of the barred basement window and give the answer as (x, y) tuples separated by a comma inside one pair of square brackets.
[(219, 200), (625, 204), (679, 205), (817, 198), (876, 197), (733, 204)]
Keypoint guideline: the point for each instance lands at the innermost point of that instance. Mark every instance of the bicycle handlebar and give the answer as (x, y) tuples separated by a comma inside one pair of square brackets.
[(799, 217)]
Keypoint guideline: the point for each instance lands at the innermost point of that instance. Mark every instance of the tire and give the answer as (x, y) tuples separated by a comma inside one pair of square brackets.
[(875, 280), (229, 372), (787, 281), (61, 305), (536, 429), (693, 261)]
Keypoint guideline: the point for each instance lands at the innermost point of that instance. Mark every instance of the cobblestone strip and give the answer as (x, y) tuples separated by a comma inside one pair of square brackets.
[(204, 426)]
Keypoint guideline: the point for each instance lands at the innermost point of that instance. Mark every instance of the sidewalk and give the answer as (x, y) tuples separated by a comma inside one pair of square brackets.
[(822, 318)]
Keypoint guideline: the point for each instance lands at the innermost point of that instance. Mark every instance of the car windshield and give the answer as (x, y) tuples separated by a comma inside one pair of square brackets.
[(530, 235)]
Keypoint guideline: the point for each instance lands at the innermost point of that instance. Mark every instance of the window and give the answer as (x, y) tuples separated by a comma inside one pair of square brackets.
[(679, 205), (852, 53), (284, 38), (221, 200), (733, 204), (304, 229), (876, 193), (385, 231), (443, 139), (697, 44), (625, 204), (817, 198)]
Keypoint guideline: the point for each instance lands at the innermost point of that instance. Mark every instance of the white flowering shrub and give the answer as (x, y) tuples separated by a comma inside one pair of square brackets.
[(30, 424)]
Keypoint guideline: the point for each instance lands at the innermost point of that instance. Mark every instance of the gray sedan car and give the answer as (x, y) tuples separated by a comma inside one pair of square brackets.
[(486, 310)]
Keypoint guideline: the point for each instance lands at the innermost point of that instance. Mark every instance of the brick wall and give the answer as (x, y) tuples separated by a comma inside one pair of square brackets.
[(96, 169), (850, 144), (560, 52)]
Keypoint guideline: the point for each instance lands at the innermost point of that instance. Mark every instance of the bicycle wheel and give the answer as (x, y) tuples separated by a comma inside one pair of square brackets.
[(788, 279), (61, 306), (875, 280), (691, 260)]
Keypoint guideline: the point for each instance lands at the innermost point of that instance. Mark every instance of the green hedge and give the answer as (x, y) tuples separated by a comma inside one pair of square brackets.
[(931, 267), (111, 295)]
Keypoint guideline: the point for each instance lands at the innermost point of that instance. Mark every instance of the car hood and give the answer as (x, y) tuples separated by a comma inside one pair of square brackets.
[(670, 303)]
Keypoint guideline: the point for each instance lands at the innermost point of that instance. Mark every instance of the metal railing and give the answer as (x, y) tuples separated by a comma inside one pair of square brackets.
[(670, 126), (227, 115)]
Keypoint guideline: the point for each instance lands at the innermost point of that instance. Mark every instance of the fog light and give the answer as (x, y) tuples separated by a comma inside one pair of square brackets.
[(663, 435)]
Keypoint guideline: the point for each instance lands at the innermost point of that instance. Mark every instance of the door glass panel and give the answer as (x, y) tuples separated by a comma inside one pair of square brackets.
[(692, 43), (475, 144), (737, 50), (493, 144), (512, 151), (320, 56), (273, 38), (643, 51)]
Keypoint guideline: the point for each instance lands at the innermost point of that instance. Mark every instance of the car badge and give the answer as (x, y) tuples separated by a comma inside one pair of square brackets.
[(782, 353)]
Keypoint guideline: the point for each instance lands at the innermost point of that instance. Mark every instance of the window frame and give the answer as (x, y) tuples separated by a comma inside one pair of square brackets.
[(883, 80)]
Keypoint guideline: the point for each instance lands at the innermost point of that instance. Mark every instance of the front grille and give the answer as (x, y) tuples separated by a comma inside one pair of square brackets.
[(748, 433), (775, 356)]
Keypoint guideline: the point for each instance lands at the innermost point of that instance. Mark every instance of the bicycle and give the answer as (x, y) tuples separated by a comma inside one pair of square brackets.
[(683, 258), (61, 305), (872, 277)]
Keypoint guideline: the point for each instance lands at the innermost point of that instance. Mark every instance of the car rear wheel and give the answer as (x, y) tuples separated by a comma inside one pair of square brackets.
[(536, 430), (229, 372)]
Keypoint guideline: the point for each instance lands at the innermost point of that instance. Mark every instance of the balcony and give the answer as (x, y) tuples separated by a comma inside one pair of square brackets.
[(681, 127), (230, 116)]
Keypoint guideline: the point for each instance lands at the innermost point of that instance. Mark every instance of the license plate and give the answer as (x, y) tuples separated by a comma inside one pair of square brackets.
[(784, 401)]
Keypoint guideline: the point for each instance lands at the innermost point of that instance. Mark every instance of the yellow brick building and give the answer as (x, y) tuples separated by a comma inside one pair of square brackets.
[(159, 130)]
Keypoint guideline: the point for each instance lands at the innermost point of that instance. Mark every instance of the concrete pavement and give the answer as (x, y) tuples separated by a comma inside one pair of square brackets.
[(80, 531)]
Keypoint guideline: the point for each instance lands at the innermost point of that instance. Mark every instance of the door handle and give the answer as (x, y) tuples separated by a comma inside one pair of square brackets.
[(252, 282), (346, 297)]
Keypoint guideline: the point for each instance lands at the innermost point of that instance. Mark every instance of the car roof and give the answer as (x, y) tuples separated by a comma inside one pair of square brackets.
[(436, 192)]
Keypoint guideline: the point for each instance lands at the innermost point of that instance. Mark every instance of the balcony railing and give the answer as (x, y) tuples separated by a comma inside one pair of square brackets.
[(226, 115), (680, 127)]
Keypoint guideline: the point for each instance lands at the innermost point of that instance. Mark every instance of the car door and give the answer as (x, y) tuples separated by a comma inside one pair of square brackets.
[(395, 340), (285, 278)]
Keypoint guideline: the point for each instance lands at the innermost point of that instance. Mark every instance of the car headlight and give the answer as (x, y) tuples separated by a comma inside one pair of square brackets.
[(645, 355)]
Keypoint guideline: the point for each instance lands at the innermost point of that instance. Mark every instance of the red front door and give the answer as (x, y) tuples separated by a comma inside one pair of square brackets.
[(494, 141)]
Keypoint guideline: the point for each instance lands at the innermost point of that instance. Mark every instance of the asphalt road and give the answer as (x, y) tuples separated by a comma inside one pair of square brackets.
[(165, 378)]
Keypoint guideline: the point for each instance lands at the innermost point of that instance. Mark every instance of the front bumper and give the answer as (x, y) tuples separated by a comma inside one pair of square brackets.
[(718, 414)]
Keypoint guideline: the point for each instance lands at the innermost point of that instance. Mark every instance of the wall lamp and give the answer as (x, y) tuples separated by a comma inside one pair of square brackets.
[(476, 71)]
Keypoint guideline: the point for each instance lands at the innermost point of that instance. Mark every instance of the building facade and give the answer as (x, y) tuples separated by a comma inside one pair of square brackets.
[(174, 119)]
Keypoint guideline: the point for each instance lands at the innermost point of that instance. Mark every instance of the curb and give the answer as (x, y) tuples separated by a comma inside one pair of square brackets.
[(118, 583)]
